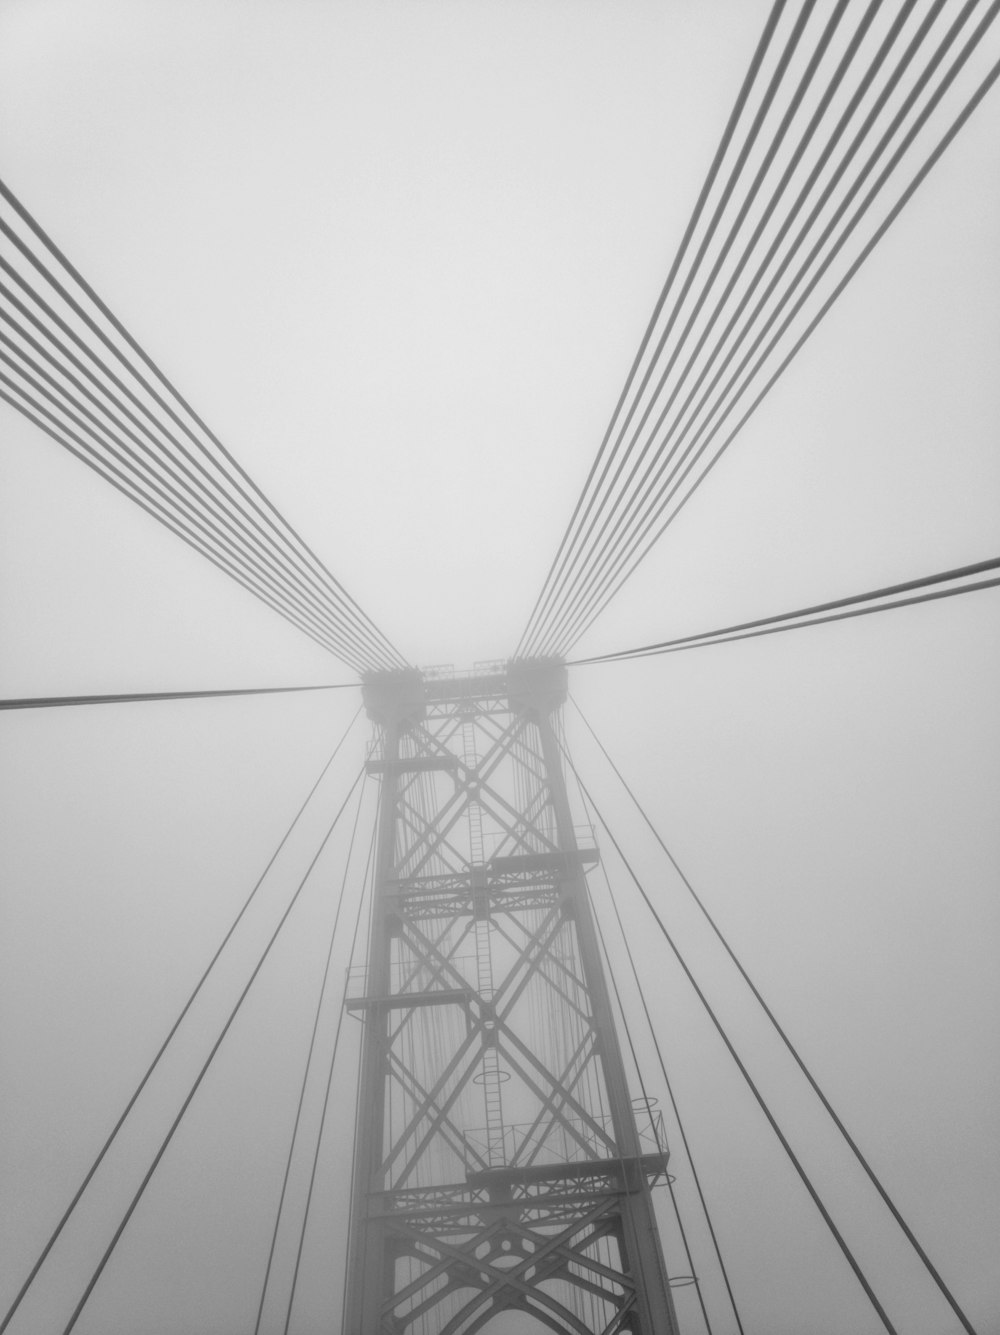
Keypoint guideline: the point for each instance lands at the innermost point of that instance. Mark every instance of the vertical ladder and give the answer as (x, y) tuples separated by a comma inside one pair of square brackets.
[(490, 1074)]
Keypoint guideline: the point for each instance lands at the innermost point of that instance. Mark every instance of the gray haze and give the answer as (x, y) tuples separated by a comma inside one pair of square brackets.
[(399, 257)]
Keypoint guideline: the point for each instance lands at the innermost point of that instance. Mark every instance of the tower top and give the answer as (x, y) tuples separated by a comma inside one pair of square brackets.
[(538, 684)]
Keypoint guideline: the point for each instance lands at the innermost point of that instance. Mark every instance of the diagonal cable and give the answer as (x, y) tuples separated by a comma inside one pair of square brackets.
[(779, 1030), (163, 1046), (153, 396)]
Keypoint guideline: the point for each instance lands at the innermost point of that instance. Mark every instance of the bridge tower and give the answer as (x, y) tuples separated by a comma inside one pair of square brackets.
[(500, 1161)]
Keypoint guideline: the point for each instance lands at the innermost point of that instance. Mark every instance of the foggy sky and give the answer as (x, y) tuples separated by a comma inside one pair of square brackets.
[(399, 257)]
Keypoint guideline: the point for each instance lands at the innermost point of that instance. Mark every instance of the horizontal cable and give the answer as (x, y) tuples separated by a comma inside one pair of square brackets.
[(58, 701), (748, 630)]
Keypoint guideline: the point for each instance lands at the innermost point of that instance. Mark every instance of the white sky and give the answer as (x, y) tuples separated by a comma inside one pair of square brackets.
[(399, 257)]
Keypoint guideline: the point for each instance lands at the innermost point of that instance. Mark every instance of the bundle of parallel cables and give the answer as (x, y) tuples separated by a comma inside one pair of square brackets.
[(844, 111), (71, 367)]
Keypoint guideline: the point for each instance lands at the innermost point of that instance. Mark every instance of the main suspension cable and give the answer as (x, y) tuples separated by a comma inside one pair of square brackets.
[(181, 487), (217, 522), (278, 533), (648, 528), (642, 507), (585, 553), (570, 534), (121, 483)]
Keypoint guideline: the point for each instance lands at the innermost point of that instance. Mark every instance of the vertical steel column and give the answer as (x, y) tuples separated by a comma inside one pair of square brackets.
[(641, 1237), (368, 1265)]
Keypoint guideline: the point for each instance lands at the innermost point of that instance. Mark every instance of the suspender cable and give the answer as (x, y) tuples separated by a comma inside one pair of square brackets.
[(621, 564), (204, 1069), (793, 1159), (544, 597), (173, 1030), (309, 1058), (748, 630), (849, 1140), (59, 701)]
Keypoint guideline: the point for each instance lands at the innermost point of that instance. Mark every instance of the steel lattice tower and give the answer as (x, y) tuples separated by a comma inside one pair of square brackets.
[(500, 1162)]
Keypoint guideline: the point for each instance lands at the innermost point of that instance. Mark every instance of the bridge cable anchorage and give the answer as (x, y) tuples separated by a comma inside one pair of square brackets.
[(789, 1045), (541, 602), (772, 1122), (673, 1104), (593, 567), (617, 576), (99, 1159), (60, 701), (309, 1057), (647, 1103), (99, 1270), (159, 413), (250, 554), (748, 630)]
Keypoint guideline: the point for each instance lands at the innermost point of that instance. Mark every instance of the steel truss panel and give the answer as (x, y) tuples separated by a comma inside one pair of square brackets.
[(499, 1161)]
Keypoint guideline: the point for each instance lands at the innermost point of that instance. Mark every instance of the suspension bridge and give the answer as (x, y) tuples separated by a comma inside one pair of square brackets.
[(472, 947)]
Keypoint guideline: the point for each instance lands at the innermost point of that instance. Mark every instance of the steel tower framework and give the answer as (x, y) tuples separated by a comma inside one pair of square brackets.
[(500, 1162)]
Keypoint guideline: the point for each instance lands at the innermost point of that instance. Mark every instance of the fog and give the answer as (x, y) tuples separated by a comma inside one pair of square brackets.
[(399, 256)]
